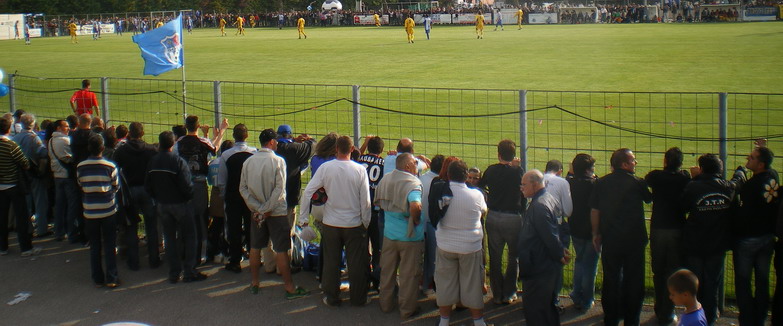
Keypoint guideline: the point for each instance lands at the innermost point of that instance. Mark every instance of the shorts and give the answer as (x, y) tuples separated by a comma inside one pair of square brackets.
[(459, 278), (275, 228)]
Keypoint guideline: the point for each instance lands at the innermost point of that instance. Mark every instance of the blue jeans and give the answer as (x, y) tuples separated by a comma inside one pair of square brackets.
[(144, 203), (430, 250), (709, 269), (585, 269), (67, 208), (40, 200), (753, 256), (102, 233)]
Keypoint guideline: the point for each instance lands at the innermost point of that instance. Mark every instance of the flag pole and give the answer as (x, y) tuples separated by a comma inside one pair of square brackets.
[(184, 89)]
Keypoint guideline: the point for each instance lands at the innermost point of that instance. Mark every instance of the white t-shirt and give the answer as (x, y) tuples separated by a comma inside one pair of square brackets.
[(348, 189), (460, 231)]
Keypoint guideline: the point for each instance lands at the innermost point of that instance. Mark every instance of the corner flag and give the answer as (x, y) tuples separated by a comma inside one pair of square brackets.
[(161, 48)]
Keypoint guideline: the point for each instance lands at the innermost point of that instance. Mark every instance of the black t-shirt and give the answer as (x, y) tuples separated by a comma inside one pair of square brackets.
[(620, 197), (579, 221), (196, 150), (234, 165), (295, 155), (667, 187), (759, 198), (501, 182), (79, 138), (374, 165)]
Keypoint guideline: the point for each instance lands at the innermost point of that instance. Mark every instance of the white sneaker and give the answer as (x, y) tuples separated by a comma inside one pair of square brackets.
[(34, 251), (3, 252)]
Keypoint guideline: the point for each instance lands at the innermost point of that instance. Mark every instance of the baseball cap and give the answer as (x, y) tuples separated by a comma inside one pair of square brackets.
[(284, 129)]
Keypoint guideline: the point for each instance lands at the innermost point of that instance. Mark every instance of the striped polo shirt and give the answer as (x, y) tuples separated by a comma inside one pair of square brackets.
[(11, 159), (99, 182)]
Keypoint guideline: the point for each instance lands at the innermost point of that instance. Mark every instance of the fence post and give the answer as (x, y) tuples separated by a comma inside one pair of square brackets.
[(523, 128), (217, 96), (723, 131), (105, 99), (357, 121), (11, 93)]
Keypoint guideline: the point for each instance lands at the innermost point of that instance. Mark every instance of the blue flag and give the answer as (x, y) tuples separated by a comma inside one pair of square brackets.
[(161, 48)]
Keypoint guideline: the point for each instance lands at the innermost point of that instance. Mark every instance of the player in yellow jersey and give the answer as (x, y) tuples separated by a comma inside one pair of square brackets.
[(479, 25), (409, 24), (252, 21), (222, 25), (72, 30), (300, 23), (519, 14), (377, 20), (160, 24), (240, 24)]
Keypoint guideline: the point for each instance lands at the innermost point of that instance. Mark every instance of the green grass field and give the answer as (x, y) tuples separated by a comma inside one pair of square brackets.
[(739, 57), (605, 60)]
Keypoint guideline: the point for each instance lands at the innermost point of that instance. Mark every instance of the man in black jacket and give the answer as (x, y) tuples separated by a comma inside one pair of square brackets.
[(706, 237), (133, 159), (754, 229), (541, 253), (617, 218), (667, 221), (79, 138), (168, 182)]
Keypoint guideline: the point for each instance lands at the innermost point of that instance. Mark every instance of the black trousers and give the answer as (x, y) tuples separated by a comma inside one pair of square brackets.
[(537, 298), (777, 302), (666, 258), (238, 227), (355, 242), (623, 286)]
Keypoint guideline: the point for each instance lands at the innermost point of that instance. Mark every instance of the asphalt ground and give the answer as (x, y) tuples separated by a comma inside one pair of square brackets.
[(62, 293)]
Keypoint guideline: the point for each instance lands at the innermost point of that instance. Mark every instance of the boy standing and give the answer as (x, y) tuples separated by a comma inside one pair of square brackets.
[(683, 285)]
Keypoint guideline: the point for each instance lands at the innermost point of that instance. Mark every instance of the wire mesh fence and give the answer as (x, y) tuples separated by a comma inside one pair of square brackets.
[(467, 123)]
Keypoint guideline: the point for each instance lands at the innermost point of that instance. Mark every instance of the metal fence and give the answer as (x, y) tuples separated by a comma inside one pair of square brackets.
[(467, 123)]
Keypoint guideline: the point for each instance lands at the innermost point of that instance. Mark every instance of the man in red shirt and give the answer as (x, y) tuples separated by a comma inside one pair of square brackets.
[(84, 101)]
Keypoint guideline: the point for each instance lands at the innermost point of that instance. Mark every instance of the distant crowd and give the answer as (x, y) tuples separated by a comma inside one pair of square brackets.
[(404, 225)]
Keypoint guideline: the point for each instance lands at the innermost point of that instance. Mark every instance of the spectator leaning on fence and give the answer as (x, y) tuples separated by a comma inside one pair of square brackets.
[(67, 206), (667, 222), (581, 185), (754, 227), (430, 245), (706, 236), (373, 163), (35, 152), (619, 229), (504, 199), (558, 188)]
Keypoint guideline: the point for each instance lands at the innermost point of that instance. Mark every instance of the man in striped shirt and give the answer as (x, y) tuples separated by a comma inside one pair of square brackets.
[(99, 182), (11, 160)]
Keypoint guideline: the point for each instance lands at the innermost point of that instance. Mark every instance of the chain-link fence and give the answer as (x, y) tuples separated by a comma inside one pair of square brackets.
[(467, 123)]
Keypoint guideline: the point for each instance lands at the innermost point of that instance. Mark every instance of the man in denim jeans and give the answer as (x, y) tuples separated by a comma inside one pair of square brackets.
[(67, 203), (754, 229)]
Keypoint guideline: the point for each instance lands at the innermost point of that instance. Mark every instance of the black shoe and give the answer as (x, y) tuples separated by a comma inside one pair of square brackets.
[(155, 263), (195, 278), (174, 280), (233, 268)]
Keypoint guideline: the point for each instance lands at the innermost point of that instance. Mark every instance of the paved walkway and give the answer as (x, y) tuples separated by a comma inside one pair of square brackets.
[(61, 293)]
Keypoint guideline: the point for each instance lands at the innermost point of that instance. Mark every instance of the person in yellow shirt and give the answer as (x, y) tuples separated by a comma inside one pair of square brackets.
[(409, 24), (300, 23), (252, 21), (240, 23), (72, 30), (222, 25), (159, 24), (519, 14), (479, 25), (377, 20)]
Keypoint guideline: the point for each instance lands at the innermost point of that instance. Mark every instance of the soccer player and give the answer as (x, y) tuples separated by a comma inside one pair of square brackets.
[(189, 24), (479, 25), (520, 14), (26, 33), (280, 21), (499, 21), (84, 101), (377, 20), (240, 23), (252, 21), (159, 24), (300, 24), (409, 24), (72, 30), (427, 25), (222, 26), (16, 30), (95, 30)]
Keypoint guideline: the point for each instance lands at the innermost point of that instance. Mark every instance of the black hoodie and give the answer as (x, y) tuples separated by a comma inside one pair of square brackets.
[(133, 157)]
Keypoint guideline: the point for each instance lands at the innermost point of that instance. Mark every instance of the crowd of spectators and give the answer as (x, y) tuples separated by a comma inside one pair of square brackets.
[(406, 225)]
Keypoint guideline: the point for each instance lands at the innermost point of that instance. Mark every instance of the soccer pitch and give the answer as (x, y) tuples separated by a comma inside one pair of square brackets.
[(740, 57)]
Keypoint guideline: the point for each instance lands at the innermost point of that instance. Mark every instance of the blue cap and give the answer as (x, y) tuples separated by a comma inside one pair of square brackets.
[(284, 129)]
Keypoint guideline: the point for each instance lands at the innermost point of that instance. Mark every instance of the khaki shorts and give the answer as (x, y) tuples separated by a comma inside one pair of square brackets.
[(274, 228), (459, 278)]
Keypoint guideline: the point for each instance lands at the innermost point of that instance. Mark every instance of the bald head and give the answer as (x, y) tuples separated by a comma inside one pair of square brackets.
[(405, 146), (532, 182)]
